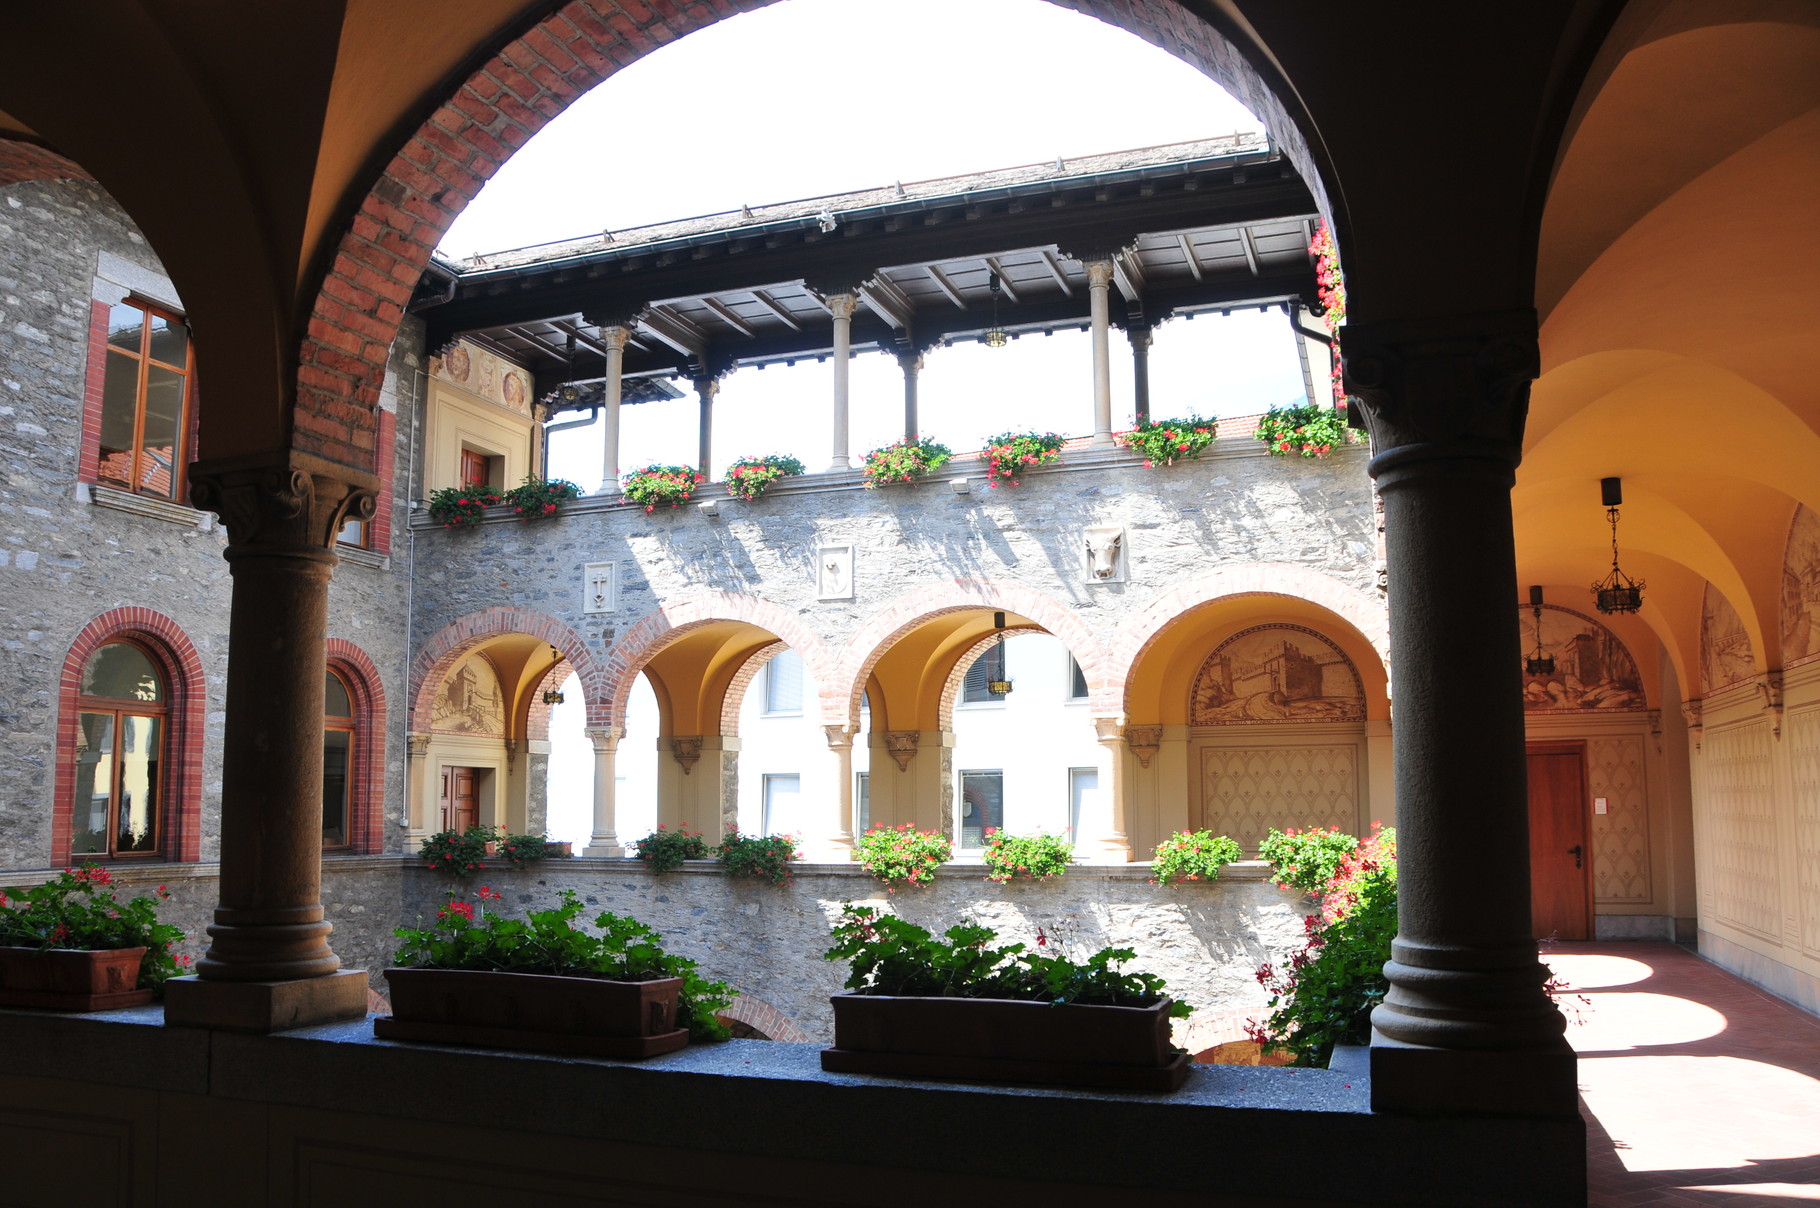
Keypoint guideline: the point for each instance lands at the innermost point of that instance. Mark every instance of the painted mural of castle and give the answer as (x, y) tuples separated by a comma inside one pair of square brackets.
[(1276, 673), (1801, 588), (470, 701), (1725, 650), (1593, 669)]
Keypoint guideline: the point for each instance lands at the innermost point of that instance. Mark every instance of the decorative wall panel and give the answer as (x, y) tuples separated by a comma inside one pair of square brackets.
[(1614, 769), (1801, 588), (1802, 734), (1247, 790), (1741, 826)]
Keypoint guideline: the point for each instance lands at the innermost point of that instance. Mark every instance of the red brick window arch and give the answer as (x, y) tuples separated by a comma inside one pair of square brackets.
[(353, 752), (129, 742)]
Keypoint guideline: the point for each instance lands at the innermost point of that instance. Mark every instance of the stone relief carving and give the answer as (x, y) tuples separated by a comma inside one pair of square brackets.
[(1594, 671), (834, 572), (600, 587), (470, 701), (686, 750), (1276, 673), (901, 745), (1144, 741), (1105, 547)]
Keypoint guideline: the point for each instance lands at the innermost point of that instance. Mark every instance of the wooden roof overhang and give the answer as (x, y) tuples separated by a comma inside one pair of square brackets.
[(1205, 232)]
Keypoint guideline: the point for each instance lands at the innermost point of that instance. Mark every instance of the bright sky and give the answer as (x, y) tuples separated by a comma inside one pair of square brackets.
[(808, 97)]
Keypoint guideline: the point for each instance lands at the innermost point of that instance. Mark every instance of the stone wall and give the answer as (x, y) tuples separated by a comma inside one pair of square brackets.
[(66, 559)]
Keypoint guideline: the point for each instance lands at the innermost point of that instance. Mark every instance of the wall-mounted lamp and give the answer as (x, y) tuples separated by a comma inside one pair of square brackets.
[(1616, 592), (1538, 661)]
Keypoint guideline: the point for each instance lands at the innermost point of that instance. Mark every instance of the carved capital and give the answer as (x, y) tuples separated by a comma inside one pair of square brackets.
[(838, 736), (615, 330), (842, 305), (416, 744), (288, 506), (1691, 712), (604, 738), (901, 744), (686, 750), (1099, 273), (1769, 687), (1109, 730), (1443, 388), (1144, 741)]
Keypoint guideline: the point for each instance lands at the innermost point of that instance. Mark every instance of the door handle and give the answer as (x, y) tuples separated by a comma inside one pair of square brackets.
[(1575, 852)]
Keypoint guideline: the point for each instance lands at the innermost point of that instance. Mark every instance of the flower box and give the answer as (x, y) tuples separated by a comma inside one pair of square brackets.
[(72, 979), (536, 1013), (1000, 1040)]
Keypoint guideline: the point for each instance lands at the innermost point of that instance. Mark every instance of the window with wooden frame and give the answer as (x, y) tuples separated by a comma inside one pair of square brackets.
[(146, 401), (120, 738), (353, 532), (337, 762)]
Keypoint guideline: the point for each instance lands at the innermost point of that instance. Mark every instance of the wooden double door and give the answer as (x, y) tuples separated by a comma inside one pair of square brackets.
[(460, 798), (1560, 841)]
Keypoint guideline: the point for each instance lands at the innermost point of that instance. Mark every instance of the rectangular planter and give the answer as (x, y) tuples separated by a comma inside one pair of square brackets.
[(534, 1012), (995, 1040), (71, 979)]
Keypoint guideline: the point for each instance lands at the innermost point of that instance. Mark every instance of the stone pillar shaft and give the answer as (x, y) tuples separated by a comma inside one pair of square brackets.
[(706, 388), (614, 337), (838, 841), (912, 365), (1141, 337), (417, 750), (604, 843), (842, 306), (1115, 845), (1099, 279)]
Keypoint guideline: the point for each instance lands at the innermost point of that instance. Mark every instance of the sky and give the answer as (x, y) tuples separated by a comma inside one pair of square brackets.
[(810, 97)]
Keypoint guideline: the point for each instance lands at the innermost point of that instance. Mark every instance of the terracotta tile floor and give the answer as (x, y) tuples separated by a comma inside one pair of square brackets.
[(1697, 1087)]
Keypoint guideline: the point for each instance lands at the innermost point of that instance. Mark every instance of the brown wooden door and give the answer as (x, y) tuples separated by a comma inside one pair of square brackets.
[(1560, 851), (460, 802), (474, 469)]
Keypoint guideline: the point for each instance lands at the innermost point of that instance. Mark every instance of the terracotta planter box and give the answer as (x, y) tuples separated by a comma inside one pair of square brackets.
[(534, 1013), (557, 848), (70, 979), (995, 1040)]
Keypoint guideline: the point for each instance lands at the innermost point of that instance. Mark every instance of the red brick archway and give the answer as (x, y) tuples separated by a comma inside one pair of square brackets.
[(366, 804), (438, 655), (28, 161), (166, 642), (513, 95)]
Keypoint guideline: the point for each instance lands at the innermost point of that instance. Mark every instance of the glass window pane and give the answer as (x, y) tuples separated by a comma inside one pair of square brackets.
[(982, 806), (783, 798), (353, 532), (784, 683), (119, 413), (126, 326), (136, 827), (162, 434), (122, 672), (335, 702), (1083, 791), (94, 783), (862, 802), (170, 341), (337, 752), (1077, 680)]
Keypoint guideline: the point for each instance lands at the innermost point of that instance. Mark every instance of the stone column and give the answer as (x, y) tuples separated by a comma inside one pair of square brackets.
[(706, 387), (1114, 846), (1141, 336), (837, 842), (1099, 278), (416, 809), (842, 305), (537, 786), (1465, 1026), (614, 337), (912, 365), (268, 966), (604, 843)]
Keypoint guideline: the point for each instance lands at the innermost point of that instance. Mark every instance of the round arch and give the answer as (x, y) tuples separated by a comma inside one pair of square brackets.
[(442, 649)]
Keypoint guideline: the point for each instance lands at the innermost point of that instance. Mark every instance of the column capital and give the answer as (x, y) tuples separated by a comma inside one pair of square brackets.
[(838, 736), (910, 360), (1099, 273), (604, 738), (842, 305), (1447, 388), (283, 503), (1109, 729), (615, 330), (417, 744)]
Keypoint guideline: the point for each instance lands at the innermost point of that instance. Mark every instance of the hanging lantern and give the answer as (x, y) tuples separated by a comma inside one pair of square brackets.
[(552, 697), (1538, 661), (1617, 592), (1002, 685), (996, 336)]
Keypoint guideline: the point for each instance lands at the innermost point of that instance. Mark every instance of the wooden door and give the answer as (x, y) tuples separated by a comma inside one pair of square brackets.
[(460, 802), (475, 472), (1560, 848)]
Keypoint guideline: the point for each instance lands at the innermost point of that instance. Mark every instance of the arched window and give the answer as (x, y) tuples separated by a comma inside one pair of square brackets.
[(338, 722), (121, 723)]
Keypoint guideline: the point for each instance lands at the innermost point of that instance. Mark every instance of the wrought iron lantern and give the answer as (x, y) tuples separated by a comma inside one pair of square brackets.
[(1002, 686), (996, 336), (553, 697), (1538, 661), (1617, 592)]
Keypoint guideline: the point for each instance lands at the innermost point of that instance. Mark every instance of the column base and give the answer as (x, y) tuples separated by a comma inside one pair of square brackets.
[(1416, 1080), (269, 1006), (1101, 440), (610, 850)]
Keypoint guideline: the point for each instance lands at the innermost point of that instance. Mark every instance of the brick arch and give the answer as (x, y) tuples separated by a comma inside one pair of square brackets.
[(21, 161), (1364, 612), (366, 804), (185, 710), (841, 695), (638, 645), (537, 714), (439, 653), (539, 72), (951, 690), (735, 699), (763, 1017)]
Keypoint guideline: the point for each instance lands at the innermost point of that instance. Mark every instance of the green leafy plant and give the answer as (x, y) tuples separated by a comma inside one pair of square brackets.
[(1166, 441), (1305, 859), (902, 855), (520, 850), (540, 498), (889, 955), (1192, 856), (665, 850), (656, 486), (77, 910), (1324, 992), (1009, 454), (458, 852), (766, 856), (905, 461), (467, 935), (1312, 431), (1035, 857), (750, 477), (458, 507)]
